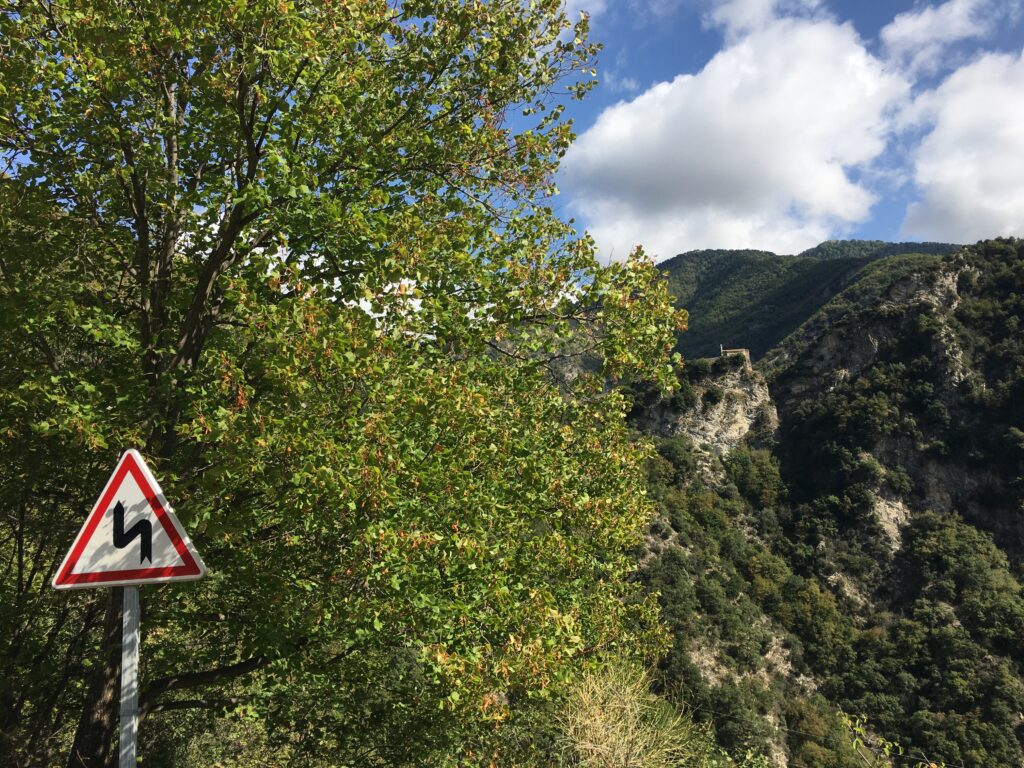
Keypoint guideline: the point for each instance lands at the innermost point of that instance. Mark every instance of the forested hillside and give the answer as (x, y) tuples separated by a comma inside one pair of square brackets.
[(754, 299), (875, 249), (864, 552)]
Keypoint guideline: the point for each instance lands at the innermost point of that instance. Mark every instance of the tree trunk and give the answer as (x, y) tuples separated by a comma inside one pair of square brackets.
[(93, 746)]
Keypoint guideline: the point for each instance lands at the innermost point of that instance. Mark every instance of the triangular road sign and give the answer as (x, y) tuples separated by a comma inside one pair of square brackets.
[(130, 537)]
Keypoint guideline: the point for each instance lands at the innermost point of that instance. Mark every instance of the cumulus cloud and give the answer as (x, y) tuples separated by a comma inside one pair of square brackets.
[(969, 166), (741, 17), (755, 150), (919, 39)]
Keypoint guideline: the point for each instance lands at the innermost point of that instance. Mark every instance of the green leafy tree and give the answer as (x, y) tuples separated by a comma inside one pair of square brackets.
[(302, 255)]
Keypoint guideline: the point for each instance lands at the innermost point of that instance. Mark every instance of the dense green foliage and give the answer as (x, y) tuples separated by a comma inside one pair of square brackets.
[(754, 299), (867, 294), (874, 249), (295, 253), (938, 661), (736, 606), (987, 324), (944, 384), (733, 600)]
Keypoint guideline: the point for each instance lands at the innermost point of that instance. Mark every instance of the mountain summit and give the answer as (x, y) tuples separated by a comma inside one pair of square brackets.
[(754, 299)]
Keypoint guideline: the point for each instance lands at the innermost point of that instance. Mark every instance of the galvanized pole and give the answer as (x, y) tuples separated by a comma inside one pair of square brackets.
[(129, 678)]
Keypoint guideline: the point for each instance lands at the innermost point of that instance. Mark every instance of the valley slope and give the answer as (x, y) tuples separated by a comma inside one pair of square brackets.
[(842, 526)]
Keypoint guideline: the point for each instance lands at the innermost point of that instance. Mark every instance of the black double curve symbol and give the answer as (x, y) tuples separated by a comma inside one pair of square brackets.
[(123, 538)]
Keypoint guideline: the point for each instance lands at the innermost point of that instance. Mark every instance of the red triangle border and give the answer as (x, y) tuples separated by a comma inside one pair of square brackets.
[(128, 464)]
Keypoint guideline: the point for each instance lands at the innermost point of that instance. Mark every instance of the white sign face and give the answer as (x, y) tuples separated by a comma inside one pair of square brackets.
[(130, 537)]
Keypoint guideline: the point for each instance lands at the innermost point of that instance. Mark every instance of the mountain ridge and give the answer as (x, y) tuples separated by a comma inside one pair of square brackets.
[(754, 299)]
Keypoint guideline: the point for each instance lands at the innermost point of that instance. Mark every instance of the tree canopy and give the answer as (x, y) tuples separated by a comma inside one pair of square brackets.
[(303, 256)]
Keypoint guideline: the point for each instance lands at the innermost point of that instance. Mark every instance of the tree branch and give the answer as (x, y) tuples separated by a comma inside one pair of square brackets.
[(148, 700), (169, 706), (194, 326)]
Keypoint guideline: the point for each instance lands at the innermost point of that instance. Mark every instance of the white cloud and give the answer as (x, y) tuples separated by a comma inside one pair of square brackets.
[(753, 151), (593, 8), (741, 17), (970, 166), (919, 39), (619, 83)]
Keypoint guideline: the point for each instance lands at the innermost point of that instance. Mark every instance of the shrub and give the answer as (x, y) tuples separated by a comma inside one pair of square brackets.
[(612, 720), (713, 395)]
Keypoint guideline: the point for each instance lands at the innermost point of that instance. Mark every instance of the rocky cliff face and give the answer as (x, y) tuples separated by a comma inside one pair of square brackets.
[(843, 526), (729, 406), (902, 324), (825, 351), (913, 322), (726, 406)]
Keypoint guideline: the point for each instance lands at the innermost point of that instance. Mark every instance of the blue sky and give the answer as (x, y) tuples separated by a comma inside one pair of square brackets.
[(776, 124)]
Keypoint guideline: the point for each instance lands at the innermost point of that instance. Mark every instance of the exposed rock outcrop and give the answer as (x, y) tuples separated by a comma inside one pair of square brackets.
[(731, 407)]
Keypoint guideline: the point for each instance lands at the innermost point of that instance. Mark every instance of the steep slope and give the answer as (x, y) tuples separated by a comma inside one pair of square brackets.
[(755, 299), (868, 554), (901, 445), (919, 365), (733, 662)]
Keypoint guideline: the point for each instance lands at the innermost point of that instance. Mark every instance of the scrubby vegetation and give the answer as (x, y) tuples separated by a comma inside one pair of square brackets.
[(792, 596), (766, 650)]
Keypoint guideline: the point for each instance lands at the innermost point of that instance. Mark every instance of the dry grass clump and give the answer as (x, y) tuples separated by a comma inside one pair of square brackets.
[(612, 720)]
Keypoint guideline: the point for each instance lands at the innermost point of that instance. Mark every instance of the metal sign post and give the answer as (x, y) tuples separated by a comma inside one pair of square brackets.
[(129, 678)]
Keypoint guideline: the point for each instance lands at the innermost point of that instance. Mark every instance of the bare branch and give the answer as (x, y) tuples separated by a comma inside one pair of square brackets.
[(148, 700)]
